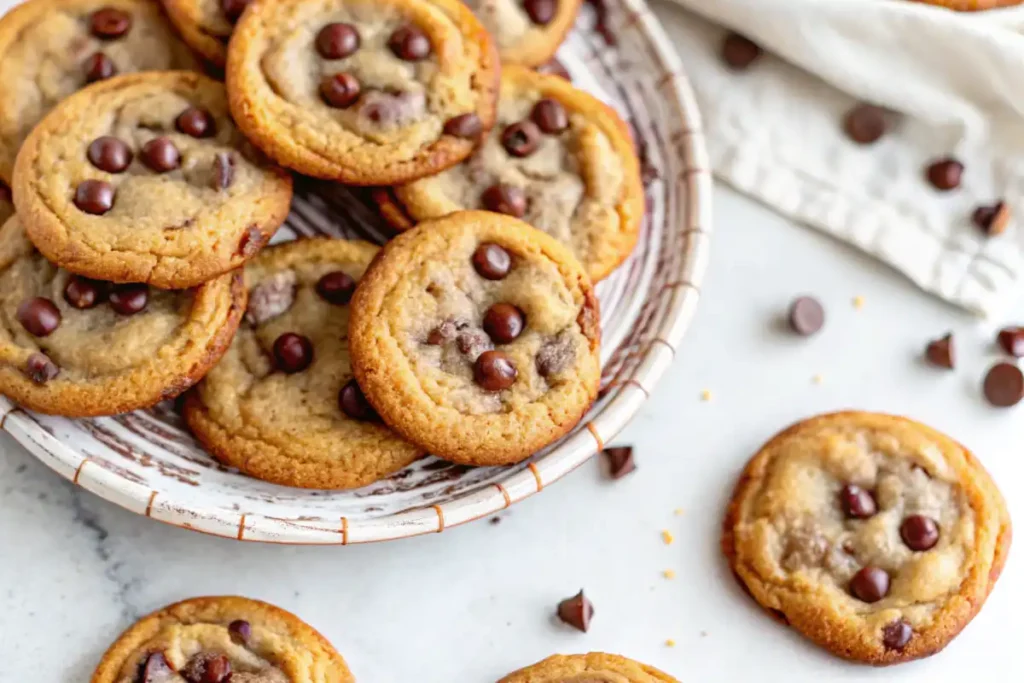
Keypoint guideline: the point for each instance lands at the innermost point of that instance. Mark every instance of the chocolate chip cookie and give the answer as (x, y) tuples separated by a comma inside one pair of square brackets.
[(51, 48), (144, 178), (222, 640), (558, 158), (476, 337), (527, 32), (596, 667), (876, 537), (206, 25), (282, 404), (368, 92), (79, 347), (6, 203)]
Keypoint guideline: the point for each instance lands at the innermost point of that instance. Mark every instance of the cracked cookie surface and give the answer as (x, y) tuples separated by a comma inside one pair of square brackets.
[(144, 178), (282, 404), (78, 347), (221, 640), (558, 158), (527, 32), (875, 536), (367, 92), (476, 337), (51, 48), (595, 667)]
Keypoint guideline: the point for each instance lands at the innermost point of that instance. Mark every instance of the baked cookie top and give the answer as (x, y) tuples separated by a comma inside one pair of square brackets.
[(206, 25), (527, 32), (558, 158), (78, 347), (221, 640), (476, 337), (144, 178), (282, 404), (368, 92), (51, 48), (595, 667), (875, 536)]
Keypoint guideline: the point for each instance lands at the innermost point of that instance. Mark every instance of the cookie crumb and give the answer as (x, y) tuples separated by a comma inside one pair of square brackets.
[(817, 379), (858, 302), (669, 574), (703, 634), (677, 511), (705, 395), (670, 643), (666, 536)]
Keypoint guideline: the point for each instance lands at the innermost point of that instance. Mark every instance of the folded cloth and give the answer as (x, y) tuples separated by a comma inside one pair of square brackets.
[(775, 130)]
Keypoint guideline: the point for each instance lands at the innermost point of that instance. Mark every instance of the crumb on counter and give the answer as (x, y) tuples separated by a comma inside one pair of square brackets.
[(669, 574), (670, 643), (666, 536), (705, 395), (858, 302)]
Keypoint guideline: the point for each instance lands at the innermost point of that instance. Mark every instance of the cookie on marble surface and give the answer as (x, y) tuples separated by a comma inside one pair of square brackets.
[(144, 178), (282, 404), (558, 158), (476, 337), (875, 536), (206, 25), (78, 347), (527, 32), (368, 92), (222, 639), (51, 48), (595, 667)]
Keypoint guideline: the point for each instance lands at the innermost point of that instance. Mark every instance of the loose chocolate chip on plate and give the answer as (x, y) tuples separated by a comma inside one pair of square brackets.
[(353, 403), (507, 199), (240, 631), (409, 43), (336, 287), (223, 171), (109, 23), (521, 139), (160, 155), (576, 611), (940, 352), (337, 41), (945, 174), (155, 669), (1004, 385), (39, 316), (293, 352), (1012, 340), (739, 52), (94, 196), (233, 8), (553, 67), (806, 316), (992, 220), (919, 532), (340, 90), (897, 634), (541, 11), (870, 584), (857, 503), (865, 123), (82, 293), (98, 67), (492, 261), (503, 323), (494, 371), (550, 116), (196, 122), (40, 369), (466, 126), (620, 461), (129, 299), (109, 154)]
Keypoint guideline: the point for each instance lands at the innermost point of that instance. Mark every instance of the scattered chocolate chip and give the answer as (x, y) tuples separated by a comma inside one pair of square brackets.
[(293, 352), (98, 67), (472, 343), (353, 403), (240, 631), (945, 174), (992, 220), (336, 287), (1004, 385), (870, 584), (207, 667), (160, 155), (196, 122), (94, 196), (494, 371), (806, 316), (555, 356), (940, 352), (492, 261), (620, 461), (550, 116), (521, 139), (857, 503), (865, 123), (223, 171), (553, 67), (896, 634), (129, 299), (271, 297), (466, 126), (506, 199), (541, 11), (109, 23), (40, 369), (919, 532), (109, 154), (340, 91), (503, 323), (39, 316), (250, 242), (156, 669), (495, 521), (576, 611), (337, 41), (82, 293), (233, 8), (739, 52), (1012, 340), (409, 43)]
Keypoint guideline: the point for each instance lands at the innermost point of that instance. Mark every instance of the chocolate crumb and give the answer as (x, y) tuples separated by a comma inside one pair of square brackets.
[(992, 220), (620, 461), (1012, 340)]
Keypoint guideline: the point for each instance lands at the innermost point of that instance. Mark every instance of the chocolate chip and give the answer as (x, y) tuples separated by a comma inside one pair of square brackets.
[(857, 503), (129, 299), (271, 297), (541, 11), (870, 584), (491, 261), (919, 532), (555, 356), (155, 669), (466, 126), (160, 155), (620, 461), (576, 611), (896, 634), (503, 323), (865, 123), (233, 8), (109, 23), (739, 52), (409, 43), (196, 122), (82, 293), (806, 316), (945, 174), (98, 67), (494, 371), (336, 287), (340, 90), (472, 343), (521, 139), (507, 199), (442, 334), (94, 196), (553, 67), (992, 220), (337, 41), (109, 154), (939, 352), (40, 369), (39, 316), (250, 242), (1012, 340), (223, 171), (353, 403), (293, 352), (1004, 385), (207, 667), (240, 631), (550, 116)]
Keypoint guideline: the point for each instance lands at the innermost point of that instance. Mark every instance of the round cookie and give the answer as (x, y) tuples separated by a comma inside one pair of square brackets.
[(222, 639), (971, 5), (78, 347), (206, 25), (6, 203), (875, 536), (144, 178), (51, 48), (558, 158), (476, 337), (367, 92), (527, 32), (595, 667), (286, 408)]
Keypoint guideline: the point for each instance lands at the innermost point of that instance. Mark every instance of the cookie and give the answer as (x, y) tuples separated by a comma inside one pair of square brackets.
[(144, 178), (221, 639), (527, 32), (971, 5), (596, 667), (6, 203), (476, 337), (368, 92), (281, 404), (51, 48), (78, 347), (558, 158), (875, 536), (206, 25)]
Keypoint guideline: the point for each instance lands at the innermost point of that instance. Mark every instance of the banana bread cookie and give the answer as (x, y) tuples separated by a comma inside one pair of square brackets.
[(527, 32), (596, 667)]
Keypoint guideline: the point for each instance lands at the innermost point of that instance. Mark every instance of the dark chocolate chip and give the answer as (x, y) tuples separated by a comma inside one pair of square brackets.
[(865, 123), (739, 52), (553, 67), (576, 611), (233, 8), (109, 23), (857, 503), (223, 171), (129, 299), (293, 352), (473, 343), (160, 155), (896, 634), (806, 316), (550, 116), (207, 667), (521, 139), (442, 334), (945, 174), (620, 461), (196, 122), (1004, 385), (336, 287), (39, 316), (1012, 340), (409, 43), (250, 242), (494, 371), (109, 154), (466, 126), (353, 403), (155, 669), (94, 196), (40, 369), (919, 532), (82, 293), (507, 199), (870, 584), (541, 11), (492, 261), (337, 41), (992, 220), (940, 352), (503, 323), (340, 90), (240, 631), (98, 67), (555, 356)]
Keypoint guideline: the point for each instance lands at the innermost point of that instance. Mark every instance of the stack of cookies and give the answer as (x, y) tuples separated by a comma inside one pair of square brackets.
[(142, 196)]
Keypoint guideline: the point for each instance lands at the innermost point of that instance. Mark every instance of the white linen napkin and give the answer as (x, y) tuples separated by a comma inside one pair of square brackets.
[(775, 130)]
